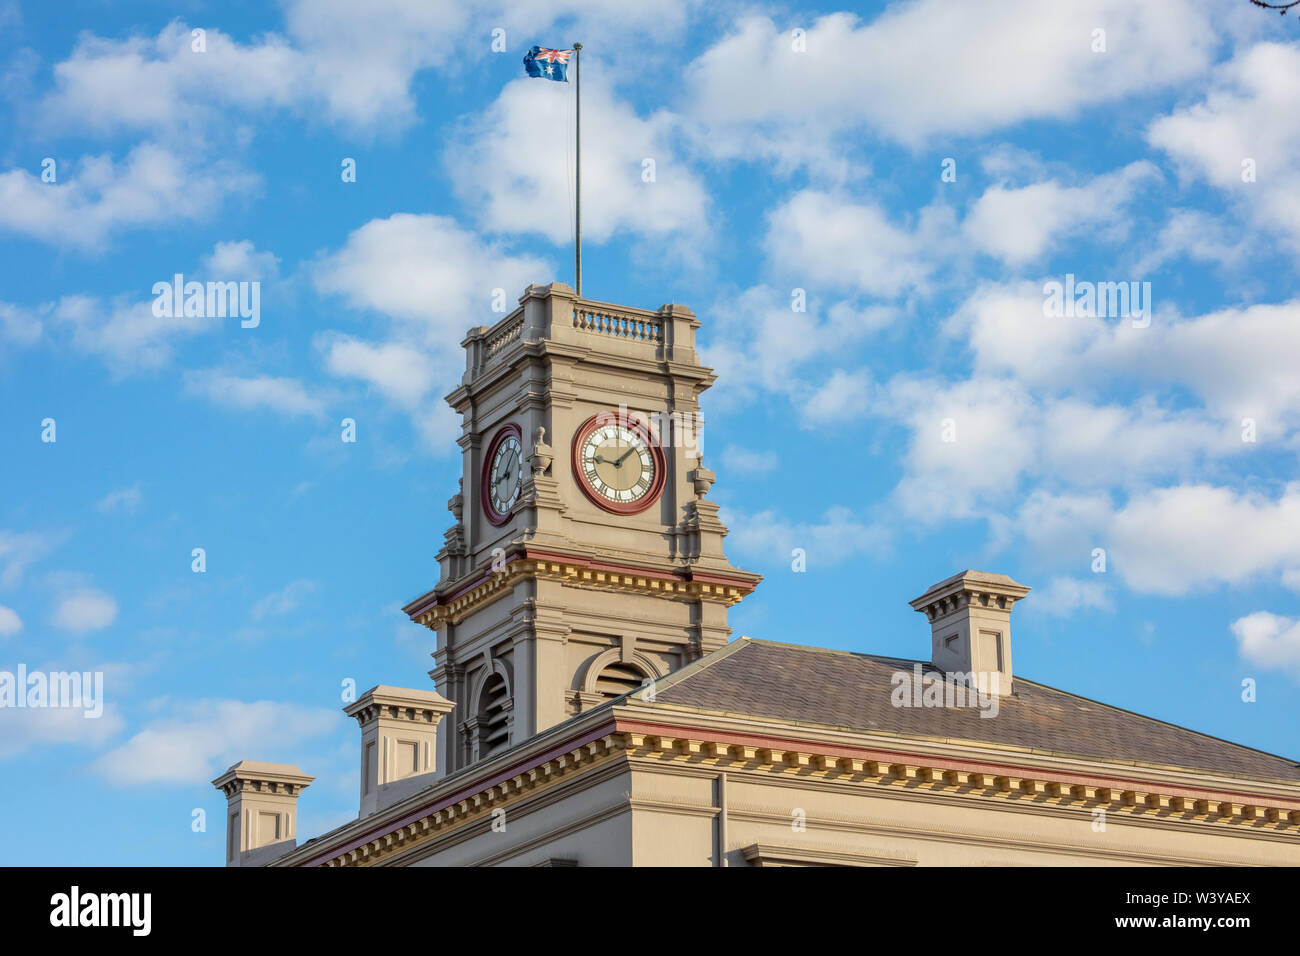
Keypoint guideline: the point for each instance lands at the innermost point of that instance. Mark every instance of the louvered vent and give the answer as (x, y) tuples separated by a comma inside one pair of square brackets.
[(494, 726), (618, 679)]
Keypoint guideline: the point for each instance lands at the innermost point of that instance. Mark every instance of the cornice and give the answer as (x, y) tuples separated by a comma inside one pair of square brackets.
[(538, 351), (920, 771), (434, 610), (544, 797), (370, 842), (992, 757), (399, 704), (280, 780), (475, 805)]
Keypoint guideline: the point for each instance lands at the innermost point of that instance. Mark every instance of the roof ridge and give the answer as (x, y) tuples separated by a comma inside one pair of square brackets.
[(660, 684), (832, 650)]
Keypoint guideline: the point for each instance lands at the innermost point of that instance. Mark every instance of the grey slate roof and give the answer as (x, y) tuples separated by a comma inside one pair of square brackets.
[(852, 691)]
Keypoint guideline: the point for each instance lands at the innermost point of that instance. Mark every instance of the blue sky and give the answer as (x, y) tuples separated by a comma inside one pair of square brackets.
[(1159, 150)]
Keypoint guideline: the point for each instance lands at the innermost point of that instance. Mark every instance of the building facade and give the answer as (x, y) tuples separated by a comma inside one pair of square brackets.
[(591, 710)]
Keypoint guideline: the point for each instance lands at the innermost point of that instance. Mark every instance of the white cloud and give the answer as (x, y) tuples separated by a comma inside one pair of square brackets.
[(427, 271), (522, 191), (769, 537), (18, 549), (84, 611), (748, 461), (284, 601), (975, 443), (1168, 541), (842, 397), (1063, 596), (345, 63), (239, 261), (1194, 235), (22, 728), (950, 469), (124, 499), (930, 68), (828, 239), (1175, 540), (199, 739), (401, 372), (819, 237), (161, 82), (19, 325), (433, 279), (757, 342), (96, 197), (285, 395), (1269, 641), (10, 622), (1062, 528), (1238, 361), (126, 336), (438, 426), (1020, 225), (1251, 112)]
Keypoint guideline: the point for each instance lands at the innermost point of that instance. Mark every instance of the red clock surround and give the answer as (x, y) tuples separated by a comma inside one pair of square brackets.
[(638, 427), (485, 481)]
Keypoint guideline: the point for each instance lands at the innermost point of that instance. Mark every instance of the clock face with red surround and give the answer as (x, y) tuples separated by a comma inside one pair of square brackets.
[(502, 474), (618, 463)]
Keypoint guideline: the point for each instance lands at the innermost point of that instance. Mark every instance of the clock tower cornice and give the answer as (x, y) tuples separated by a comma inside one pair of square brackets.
[(452, 601), (699, 377)]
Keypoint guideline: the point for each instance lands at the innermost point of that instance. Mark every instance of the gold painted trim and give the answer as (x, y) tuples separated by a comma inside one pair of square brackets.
[(499, 583), (481, 804), (1038, 790)]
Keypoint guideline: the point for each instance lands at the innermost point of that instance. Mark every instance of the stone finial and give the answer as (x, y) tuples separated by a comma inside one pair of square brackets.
[(456, 503), (542, 454), (702, 478)]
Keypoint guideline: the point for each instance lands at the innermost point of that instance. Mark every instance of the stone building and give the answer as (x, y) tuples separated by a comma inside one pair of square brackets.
[(591, 709)]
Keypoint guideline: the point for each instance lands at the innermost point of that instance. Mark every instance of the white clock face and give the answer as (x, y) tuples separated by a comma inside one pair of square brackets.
[(617, 464), (507, 475)]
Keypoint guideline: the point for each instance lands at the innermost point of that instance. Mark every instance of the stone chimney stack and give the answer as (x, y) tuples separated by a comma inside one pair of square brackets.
[(261, 810), (399, 742), (970, 627)]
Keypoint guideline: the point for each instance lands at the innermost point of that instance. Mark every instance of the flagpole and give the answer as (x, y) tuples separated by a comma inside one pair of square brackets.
[(577, 172)]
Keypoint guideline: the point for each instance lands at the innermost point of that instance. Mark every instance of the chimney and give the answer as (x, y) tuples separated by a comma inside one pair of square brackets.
[(970, 626), (399, 742), (261, 810)]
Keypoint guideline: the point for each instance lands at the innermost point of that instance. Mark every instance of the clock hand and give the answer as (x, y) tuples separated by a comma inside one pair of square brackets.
[(620, 461)]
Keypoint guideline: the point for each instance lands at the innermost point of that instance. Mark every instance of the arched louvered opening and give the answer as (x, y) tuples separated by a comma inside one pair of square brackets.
[(618, 679), (493, 717)]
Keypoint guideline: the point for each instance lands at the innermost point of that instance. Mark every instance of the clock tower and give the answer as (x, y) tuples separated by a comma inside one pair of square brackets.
[(585, 558)]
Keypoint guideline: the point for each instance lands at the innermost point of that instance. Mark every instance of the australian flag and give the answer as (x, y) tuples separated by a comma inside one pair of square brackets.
[(548, 64)]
